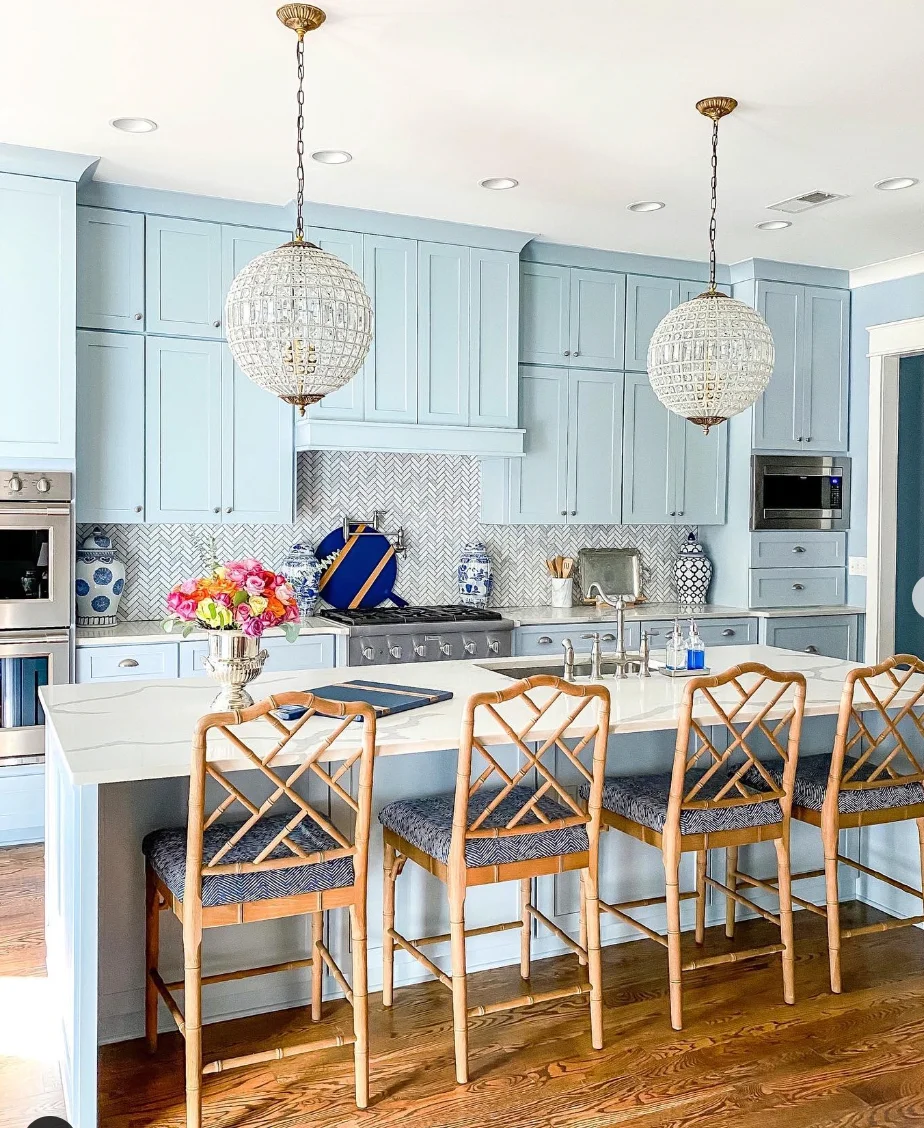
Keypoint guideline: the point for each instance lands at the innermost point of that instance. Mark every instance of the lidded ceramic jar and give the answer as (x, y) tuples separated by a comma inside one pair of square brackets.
[(100, 581)]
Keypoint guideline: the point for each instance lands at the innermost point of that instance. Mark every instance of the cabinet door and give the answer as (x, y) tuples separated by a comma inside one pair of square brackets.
[(545, 313), (443, 333), (778, 412), (37, 317), (257, 452), (241, 245), (346, 402), (110, 265), (595, 448), (494, 338), (183, 293), (598, 325), (648, 300), (110, 427), (182, 430), (390, 371), (537, 481), (831, 635), (648, 478), (826, 368), (701, 469)]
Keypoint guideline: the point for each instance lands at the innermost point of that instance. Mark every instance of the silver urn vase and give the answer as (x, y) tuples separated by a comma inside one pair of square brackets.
[(234, 660)]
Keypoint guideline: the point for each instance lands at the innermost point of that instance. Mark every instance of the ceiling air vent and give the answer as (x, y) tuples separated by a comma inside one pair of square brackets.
[(806, 201)]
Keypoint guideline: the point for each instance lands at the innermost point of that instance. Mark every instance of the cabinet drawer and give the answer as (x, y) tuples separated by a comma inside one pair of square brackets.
[(310, 652), (836, 636), (713, 632), (124, 663), (539, 640), (802, 550), (797, 587)]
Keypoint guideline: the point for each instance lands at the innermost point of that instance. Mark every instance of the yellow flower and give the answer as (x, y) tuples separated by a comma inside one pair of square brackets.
[(258, 604)]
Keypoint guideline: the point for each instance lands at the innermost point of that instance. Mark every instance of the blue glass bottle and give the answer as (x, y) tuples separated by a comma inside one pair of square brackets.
[(696, 649)]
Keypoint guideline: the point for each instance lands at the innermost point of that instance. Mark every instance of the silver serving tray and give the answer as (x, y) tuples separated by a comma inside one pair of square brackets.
[(668, 673), (618, 571)]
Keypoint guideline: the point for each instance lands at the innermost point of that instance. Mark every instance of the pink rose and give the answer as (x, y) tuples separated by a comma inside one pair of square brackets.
[(292, 614), (242, 612), (252, 565), (223, 598), (254, 585), (253, 627), (285, 592), (179, 605), (187, 587), (236, 573)]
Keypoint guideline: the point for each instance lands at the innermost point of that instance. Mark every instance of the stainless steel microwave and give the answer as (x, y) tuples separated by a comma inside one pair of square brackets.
[(800, 493)]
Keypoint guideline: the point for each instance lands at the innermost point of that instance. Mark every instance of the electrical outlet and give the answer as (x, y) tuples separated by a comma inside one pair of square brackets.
[(856, 565)]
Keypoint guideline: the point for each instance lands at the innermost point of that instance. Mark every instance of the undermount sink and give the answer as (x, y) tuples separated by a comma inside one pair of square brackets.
[(528, 670)]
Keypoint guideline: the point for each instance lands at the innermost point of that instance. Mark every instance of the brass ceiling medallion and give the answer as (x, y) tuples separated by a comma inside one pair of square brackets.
[(714, 108), (301, 17)]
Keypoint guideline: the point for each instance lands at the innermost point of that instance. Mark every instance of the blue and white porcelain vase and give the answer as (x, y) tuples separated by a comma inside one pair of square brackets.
[(303, 571), (476, 579), (692, 573), (100, 581)]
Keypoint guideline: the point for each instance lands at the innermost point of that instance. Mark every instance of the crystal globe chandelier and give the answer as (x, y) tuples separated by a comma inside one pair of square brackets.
[(712, 357), (299, 320)]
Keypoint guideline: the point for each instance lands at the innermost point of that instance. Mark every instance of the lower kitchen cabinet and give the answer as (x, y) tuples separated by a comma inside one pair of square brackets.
[(308, 652), (541, 641), (836, 636), (713, 632), (797, 587)]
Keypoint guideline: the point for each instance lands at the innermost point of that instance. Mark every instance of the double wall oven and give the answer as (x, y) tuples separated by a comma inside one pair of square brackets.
[(36, 599)]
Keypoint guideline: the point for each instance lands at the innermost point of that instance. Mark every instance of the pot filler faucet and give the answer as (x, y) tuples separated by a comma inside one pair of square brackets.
[(625, 662)]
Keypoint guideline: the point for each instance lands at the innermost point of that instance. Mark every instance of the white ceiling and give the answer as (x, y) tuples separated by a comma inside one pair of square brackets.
[(588, 104)]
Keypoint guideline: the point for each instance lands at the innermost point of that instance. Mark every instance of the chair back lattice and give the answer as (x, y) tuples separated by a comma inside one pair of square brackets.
[(333, 775), (536, 716), (880, 727), (709, 770)]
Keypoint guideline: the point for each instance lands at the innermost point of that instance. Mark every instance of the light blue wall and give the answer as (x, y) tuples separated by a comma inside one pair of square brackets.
[(909, 626), (870, 305)]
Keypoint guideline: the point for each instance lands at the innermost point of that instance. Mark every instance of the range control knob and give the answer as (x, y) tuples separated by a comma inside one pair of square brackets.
[(395, 651), (469, 646), (493, 645), (43, 485), (15, 483), (368, 652)]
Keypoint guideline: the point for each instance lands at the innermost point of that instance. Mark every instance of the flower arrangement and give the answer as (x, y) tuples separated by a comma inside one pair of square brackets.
[(241, 595)]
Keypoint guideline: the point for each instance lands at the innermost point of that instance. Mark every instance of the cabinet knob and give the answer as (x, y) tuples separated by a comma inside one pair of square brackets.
[(808, 438), (139, 316), (574, 513), (128, 662), (216, 324), (564, 513), (728, 632), (673, 513), (567, 352), (576, 354), (798, 587), (217, 509), (229, 509), (798, 548), (799, 440), (544, 640), (679, 512), (811, 650), (139, 508)]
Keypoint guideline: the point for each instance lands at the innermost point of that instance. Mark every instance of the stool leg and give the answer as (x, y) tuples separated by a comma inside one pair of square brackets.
[(785, 887), (731, 867), (388, 921), (459, 986), (832, 906), (671, 859), (591, 907), (702, 857), (920, 825), (527, 925), (151, 950), (582, 935), (360, 1003), (192, 951), (317, 968)]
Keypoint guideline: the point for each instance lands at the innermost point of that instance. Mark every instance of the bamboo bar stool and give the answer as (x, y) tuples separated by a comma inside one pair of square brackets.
[(529, 826), (874, 775), (270, 865), (707, 802)]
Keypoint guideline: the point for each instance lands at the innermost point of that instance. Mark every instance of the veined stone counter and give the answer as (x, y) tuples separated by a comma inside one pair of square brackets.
[(641, 612)]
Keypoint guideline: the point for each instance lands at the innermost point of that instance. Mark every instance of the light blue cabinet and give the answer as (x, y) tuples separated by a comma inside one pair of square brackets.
[(390, 371), (572, 316), (183, 423), (805, 404), (836, 636), (672, 472), (595, 448), (37, 317), (493, 348), (310, 651), (538, 481), (443, 334), (648, 300), (347, 402), (110, 427), (183, 277), (110, 266)]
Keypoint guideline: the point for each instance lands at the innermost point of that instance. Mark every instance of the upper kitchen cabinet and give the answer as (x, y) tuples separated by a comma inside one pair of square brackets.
[(38, 317), (346, 402), (110, 269), (494, 317), (443, 353), (184, 294), (390, 376), (805, 405), (570, 316), (672, 472)]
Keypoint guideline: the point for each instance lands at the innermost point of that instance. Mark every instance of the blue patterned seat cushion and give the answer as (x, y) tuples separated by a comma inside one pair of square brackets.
[(643, 799), (165, 850), (812, 784), (427, 824)]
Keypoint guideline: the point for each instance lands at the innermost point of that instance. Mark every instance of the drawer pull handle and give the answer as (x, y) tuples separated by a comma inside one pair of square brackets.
[(811, 650), (128, 662), (653, 634), (608, 638), (798, 548), (544, 640), (727, 633), (798, 587)]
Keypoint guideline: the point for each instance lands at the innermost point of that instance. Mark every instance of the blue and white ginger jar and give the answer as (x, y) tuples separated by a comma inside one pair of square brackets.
[(303, 571), (692, 573), (476, 579), (100, 581)]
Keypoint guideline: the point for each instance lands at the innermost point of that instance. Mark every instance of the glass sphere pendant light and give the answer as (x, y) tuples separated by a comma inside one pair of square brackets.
[(299, 320), (711, 357)]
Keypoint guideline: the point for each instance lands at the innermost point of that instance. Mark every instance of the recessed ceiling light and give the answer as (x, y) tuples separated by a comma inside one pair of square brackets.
[(332, 156), (134, 124), (773, 225), (499, 183), (646, 206), (893, 183)]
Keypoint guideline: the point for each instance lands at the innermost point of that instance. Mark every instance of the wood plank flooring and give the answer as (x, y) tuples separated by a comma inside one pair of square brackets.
[(744, 1060)]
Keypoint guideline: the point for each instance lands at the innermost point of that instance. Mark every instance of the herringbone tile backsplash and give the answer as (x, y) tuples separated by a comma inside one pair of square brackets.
[(434, 497)]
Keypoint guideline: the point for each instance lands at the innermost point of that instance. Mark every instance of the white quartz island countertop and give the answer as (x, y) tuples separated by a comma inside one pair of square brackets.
[(119, 732)]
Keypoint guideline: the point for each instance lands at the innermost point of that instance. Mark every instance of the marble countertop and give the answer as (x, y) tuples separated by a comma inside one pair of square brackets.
[(150, 630), (112, 732), (549, 616)]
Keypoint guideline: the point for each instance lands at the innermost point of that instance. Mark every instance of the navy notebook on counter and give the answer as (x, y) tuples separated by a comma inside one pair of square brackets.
[(383, 697)]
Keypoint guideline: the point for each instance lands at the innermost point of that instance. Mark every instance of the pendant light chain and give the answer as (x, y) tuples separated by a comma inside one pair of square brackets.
[(300, 142), (714, 186)]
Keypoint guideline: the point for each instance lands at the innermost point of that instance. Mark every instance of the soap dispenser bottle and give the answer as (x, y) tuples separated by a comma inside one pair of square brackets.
[(675, 656), (696, 649)]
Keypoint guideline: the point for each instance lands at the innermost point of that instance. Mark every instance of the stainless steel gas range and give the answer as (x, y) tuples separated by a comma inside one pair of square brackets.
[(380, 635)]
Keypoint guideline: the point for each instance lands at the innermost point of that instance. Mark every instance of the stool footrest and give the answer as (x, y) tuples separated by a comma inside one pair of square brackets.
[(734, 957), (529, 1000), (882, 926), (278, 1054), (406, 944), (245, 973)]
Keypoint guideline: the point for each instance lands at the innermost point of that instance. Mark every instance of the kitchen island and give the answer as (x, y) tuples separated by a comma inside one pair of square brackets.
[(118, 762)]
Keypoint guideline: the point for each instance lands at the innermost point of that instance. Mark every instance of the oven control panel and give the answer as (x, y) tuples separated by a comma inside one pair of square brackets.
[(35, 485)]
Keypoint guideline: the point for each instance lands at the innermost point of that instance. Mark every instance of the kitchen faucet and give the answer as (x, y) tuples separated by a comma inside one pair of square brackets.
[(624, 660)]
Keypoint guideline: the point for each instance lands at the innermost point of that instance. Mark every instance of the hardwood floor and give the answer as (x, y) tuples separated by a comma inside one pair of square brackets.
[(745, 1059)]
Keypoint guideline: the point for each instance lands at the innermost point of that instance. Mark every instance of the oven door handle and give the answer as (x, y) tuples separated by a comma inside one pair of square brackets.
[(27, 509)]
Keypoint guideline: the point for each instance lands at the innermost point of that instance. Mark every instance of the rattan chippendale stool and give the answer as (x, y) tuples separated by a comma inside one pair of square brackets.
[(270, 865), (874, 775), (529, 826), (708, 801)]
